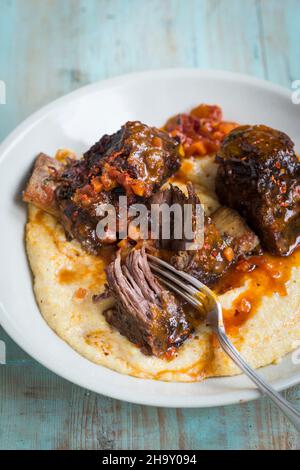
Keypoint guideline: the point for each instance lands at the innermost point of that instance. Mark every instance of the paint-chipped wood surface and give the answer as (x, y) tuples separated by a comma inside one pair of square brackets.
[(50, 47)]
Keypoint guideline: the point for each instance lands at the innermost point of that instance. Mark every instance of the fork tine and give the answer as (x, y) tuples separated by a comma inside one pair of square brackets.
[(194, 282), (192, 300), (172, 277), (202, 298)]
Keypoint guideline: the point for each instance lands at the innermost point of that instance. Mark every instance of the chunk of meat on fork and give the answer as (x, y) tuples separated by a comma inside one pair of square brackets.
[(145, 312)]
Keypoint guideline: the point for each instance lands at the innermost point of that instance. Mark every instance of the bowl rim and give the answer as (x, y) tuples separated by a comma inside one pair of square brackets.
[(42, 112)]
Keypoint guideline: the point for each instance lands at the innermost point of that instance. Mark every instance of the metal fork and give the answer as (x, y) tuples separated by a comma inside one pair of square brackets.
[(202, 298)]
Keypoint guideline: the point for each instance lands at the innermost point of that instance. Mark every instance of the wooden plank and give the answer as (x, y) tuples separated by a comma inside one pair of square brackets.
[(280, 39), (51, 47), (40, 410), (69, 44)]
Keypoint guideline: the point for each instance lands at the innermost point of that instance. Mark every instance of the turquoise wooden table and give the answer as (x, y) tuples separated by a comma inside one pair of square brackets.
[(50, 47)]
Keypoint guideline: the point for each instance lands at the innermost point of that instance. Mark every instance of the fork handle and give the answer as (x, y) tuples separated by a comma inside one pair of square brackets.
[(289, 411)]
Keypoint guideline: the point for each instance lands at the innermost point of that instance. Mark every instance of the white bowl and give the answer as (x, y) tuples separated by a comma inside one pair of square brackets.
[(76, 121)]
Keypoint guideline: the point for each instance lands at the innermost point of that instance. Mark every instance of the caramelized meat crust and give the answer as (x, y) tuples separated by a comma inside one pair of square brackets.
[(259, 176), (134, 161), (145, 312), (79, 196), (137, 157)]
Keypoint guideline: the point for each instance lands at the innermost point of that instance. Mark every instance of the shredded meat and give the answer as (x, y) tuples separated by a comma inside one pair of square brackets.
[(145, 312)]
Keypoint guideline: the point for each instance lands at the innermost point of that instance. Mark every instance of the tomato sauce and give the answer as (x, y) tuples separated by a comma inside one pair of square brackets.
[(264, 276)]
